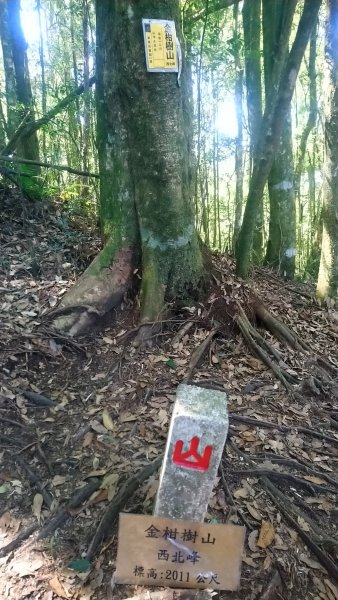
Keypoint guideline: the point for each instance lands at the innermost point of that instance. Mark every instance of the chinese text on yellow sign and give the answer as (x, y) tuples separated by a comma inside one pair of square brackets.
[(160, 45)]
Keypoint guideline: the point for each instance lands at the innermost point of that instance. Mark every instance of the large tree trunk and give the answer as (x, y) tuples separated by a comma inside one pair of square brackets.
[(281, 248), (272, 126), (328, 271), (145, 197)]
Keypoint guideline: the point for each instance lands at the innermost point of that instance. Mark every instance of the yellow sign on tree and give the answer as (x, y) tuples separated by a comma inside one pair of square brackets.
[(160, 44)]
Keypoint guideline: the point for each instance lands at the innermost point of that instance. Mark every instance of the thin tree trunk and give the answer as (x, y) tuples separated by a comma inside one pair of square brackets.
[(313, 107), (327, 284), (281, 247), (10, 84), (43, 78), (252, 52), (29, 128), (272, 125), (239, 139)]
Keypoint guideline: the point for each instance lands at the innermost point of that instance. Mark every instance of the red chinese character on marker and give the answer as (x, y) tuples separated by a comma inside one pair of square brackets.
[(191, 459)]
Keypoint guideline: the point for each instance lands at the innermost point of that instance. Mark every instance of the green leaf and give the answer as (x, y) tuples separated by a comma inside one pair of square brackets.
[(171, 363), (79, 565), (6, 487)]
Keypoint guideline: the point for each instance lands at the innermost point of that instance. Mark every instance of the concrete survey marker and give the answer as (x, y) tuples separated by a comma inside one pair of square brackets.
[(196, 438)]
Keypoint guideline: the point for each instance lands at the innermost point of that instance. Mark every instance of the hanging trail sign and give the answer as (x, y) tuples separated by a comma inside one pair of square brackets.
[(156, 551), (160, 45)]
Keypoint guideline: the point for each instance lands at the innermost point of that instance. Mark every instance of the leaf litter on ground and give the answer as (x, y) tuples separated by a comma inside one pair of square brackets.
[(122, 399)]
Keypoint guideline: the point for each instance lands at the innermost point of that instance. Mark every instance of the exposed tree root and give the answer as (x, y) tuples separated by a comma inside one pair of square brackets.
[(285, 428), (279, 329), (117, 503), (259, 346), (324, 370), (58, 519), (199, 353), (290, 514), (100, 289), (274, 585)]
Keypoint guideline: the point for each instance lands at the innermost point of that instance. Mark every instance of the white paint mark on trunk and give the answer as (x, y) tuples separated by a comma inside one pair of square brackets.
[(130, 12), (290, 252), (154, 242), (283, 186)]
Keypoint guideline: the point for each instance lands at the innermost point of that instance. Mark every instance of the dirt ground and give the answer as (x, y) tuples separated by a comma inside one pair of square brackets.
[(109, 406)]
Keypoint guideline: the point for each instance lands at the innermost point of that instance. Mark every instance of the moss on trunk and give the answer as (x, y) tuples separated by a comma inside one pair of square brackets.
[(144, 158)]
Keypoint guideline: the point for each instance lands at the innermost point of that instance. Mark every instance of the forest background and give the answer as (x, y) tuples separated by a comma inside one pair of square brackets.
[(236, 53)]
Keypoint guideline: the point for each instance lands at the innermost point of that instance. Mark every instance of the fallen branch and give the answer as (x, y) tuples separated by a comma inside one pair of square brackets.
[(117, 503), (285, 428), (181, 333), (295, 464), (39, 399), (26, 161), (48, 499), (62, 516), (56, 520), (27, 129), (309, 486), (258, 345), (199, 353), (283, 505), (274, 585), (11, 144)]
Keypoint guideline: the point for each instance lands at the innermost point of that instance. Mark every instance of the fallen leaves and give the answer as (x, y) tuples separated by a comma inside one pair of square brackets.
[(58, 589), (24, 567), (266, 535), (37, 506), (107, 421)]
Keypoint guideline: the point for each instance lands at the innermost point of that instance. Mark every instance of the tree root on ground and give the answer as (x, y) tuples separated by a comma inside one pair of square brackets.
[(258, 346), (291, 514), (58, 519), (314, 537), (119, 500), (285, 428), (271, 357), (199, 353)]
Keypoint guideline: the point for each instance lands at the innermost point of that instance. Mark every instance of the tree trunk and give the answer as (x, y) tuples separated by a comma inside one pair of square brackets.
[(313, 107), (252, 52), (7, 56), (281, 248), (328, 270), (18, 90), (239, 155), (145, 177), (272, 126), (86, 97)]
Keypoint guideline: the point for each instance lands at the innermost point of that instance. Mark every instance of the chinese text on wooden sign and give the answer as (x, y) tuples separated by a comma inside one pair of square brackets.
[(174, 553)]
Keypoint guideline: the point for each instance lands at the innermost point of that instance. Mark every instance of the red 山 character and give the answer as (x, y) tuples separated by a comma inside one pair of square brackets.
[(191, 459)]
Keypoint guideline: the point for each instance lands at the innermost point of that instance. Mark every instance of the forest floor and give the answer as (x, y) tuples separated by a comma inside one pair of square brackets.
[(108, 415)]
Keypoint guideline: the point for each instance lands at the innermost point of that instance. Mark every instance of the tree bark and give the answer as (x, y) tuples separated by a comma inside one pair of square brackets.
[(145, 179), (328, 271), (252, 53), (18, 90), (281, 247), (239, 153), (272, 125)]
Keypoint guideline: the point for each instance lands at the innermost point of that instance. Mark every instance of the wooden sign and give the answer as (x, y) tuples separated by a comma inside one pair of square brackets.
[(157, 551)]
